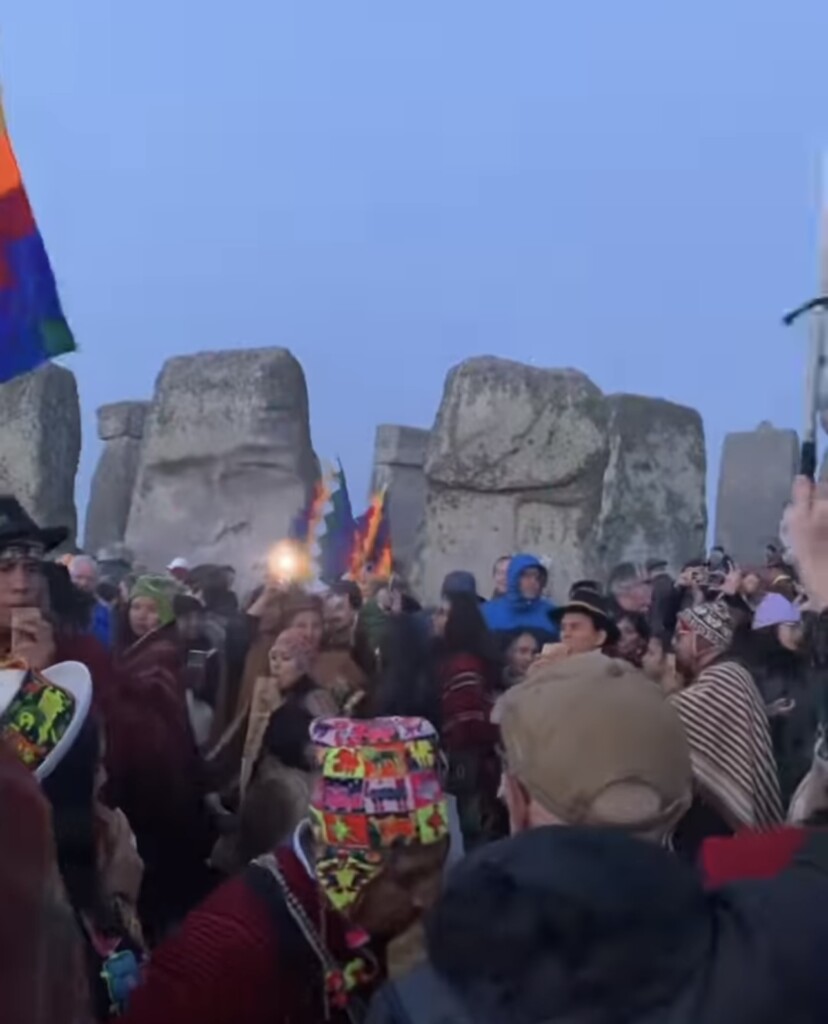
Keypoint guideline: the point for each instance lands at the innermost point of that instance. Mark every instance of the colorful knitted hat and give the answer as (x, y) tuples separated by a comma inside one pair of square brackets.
[(379, 788), (711, 622), (162, 590)]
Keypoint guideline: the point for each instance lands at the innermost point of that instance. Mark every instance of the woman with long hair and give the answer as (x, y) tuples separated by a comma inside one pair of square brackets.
[(155, 773), (468, 673)]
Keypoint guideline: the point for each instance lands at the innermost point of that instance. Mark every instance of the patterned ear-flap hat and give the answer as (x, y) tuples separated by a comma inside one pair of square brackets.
[(711, 622), (378, 788)]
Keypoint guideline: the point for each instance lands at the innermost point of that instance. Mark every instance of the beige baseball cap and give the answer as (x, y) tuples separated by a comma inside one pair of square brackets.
[(595, 743)]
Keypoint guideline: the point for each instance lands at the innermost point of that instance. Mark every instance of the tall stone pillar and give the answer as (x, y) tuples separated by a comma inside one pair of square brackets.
[(399, 460), (755, 476), (121, 428)]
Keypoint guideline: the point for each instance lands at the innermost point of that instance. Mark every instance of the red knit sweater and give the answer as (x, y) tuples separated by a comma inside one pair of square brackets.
[(223, 966)]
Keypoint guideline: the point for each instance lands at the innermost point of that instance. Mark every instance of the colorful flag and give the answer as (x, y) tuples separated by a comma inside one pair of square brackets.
[(372, 539), (337, 542), (306, 522), (33, 328)]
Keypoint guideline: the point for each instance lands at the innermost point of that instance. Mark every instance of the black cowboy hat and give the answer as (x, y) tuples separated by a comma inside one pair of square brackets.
[(16, 526), (587, 602)]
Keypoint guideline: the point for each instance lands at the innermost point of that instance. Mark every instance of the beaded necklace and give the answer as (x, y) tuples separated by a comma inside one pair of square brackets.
[(339, 981)]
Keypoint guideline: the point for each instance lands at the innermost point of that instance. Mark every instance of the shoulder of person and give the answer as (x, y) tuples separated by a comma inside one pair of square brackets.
[(217, 968)]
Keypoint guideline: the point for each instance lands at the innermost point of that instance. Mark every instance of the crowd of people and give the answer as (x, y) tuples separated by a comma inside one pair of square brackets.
[(308, 805)]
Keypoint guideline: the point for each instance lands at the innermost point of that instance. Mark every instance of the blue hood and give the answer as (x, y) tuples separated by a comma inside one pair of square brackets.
[(511, 613), (518, 565)]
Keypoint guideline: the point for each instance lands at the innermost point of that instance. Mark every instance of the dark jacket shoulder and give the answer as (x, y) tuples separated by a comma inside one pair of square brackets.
[(419, 997)]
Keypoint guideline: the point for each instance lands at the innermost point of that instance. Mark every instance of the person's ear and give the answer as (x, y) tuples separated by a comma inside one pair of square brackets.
[(602, 638)]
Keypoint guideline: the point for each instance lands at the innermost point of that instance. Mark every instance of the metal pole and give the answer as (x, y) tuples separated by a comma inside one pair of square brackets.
[(815, 398)]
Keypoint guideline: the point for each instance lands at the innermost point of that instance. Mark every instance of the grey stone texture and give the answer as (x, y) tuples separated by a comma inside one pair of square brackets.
[(653, 499), (529, 459), (226, 460), (121, 428), (755, 476), (40, 443), (399, 458)]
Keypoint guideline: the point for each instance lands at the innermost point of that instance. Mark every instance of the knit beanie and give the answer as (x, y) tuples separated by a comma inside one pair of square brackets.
[(162, 590)]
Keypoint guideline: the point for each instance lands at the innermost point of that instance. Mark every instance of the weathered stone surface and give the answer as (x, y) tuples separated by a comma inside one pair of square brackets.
[(226, 460), (498, 420), (40, 442), (755, 477), (122, 419), (399, 457), (121, 427), (516, 460), (528, 459), (654, 485)]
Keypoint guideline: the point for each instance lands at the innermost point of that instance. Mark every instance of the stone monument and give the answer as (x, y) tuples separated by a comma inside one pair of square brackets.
[(40, 443), (226, 460), (399, 457), (121, 428)]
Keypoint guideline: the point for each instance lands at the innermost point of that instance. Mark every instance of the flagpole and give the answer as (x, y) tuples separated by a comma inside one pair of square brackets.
[(818, 310)]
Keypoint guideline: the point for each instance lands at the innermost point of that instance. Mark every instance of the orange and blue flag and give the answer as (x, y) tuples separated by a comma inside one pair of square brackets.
[(33, 329), (372, 549), (306, 522), (337, 542)]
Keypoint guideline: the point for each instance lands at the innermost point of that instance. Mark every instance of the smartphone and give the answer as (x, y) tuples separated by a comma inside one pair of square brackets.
[(198, 659)]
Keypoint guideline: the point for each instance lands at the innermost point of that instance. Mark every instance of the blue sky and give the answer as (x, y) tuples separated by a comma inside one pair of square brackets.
[(387, 188)]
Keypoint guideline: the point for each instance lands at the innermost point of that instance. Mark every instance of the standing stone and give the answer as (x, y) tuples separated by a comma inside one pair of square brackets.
[(755, 477), (40, 442), (399, 458), (654, 486), (121, 428), (515, 461), (226, 460)]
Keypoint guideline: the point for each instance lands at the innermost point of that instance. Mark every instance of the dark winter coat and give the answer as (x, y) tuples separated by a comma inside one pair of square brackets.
[(595, 927)]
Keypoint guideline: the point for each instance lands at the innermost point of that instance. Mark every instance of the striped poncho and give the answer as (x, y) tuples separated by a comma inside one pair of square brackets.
[(731, 751)]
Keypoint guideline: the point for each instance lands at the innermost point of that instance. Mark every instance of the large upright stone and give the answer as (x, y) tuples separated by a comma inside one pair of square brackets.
[(755, 477), (226, 461), (399, 458), (40, 442), (654, 485), (515, 461), (121, 428)]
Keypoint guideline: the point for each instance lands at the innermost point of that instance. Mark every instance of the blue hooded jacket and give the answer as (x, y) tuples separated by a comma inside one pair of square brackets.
[(516, 614), (101, 626)]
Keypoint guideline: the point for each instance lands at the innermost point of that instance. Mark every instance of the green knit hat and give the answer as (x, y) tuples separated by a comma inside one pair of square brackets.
[(162, 590)]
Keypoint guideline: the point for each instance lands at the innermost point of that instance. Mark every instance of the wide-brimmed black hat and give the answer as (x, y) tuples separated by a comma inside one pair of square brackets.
[(588, 602), (17, 526)]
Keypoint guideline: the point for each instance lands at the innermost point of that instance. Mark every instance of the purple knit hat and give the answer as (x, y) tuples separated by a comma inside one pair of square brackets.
[(774, 610)]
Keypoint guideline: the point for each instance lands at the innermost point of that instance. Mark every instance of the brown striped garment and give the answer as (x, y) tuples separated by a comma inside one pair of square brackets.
[(730, 746)]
